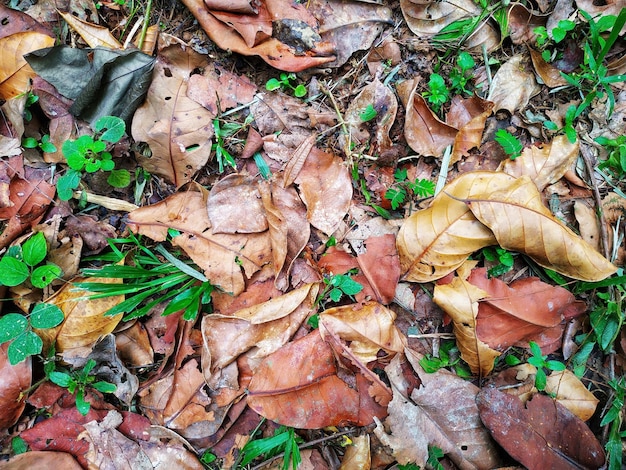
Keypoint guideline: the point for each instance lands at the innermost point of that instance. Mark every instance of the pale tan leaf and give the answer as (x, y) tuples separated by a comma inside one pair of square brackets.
[(178, 130), (15, 73), (468, 116), (520, 222), (513, 85), (221, 256), (93, 35), (358, 455), (277, 307), (545, 163), (296, 162), (459, 299), (588, 223), (41, 459), (435, 241)]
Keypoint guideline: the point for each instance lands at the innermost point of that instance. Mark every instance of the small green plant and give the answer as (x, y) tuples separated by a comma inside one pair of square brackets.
[(614, 417), (24, 262), (77, 382), (31, 99), (45, 145), (149, 281), (502, 257), (568, 128), (88, 154), (615, 164), (511, 144), (18, 445), (284, 440), (285, 83), (449, 356), (542, 364), (338, 285), (437, 93), (219, 147), (607, 316), (18, 329), (398, 193), (368, 113), (462, 73)]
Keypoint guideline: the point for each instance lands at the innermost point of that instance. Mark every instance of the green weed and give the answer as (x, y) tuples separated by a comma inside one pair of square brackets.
[(502, 257), (614, 418), (284, 440), (24, 262), (449, 356), (568, 128), (397, 194), (368, 113), (338, 285), (88, 154), (542, 364), (284, 82), (511, 144), (615, 164), (45, 145)]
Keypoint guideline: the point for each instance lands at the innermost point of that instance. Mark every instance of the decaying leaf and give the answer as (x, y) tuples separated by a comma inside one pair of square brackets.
[(513, 85), (15, 382), (539, 434), (468, 115), (92, 34), (520, 222), (41, 459), (177, 128)]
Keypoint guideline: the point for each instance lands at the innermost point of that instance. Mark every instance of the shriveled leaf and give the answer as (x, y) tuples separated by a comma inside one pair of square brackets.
[(468, 115), (42, 459), (588, 223), (540, 434), (326, 189), (92, 34), (442, 412), (549, 74), (177, 128), (435, 241), (544, 164), (221, 256), (513, 85), (277, 307), (459, 299), (520, 222), (15, 73), (85, 322), (311, 395), (16, 380), (380, 266)]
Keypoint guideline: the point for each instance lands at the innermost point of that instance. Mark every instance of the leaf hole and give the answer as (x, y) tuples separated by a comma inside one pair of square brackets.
[(167, 72)]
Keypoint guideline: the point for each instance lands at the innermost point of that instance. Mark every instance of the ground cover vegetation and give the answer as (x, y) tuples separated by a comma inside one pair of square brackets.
[(315, 234)]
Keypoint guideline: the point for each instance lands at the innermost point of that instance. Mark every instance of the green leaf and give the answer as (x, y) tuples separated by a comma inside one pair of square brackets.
[(35, 249), (107, 165), (511, 360), (368, 113), (335, 294), (430, 364), (400, 174), (540, 380), (18, 445), (67, 183), (46, 145), (535, 350), (555, 365), (299, 91), (262, 165), (465, 61), (44, 275), (423, 187), (46, 316), (273, 84), (115, 128), (61, 379), (551, 126), (29, 143), (25, 345), (119, 178), (348, 285), (11, 326), (511, 144), (258, 447), (104, 387), (396, 197), (12, 271), (92, 165), (81, 405)]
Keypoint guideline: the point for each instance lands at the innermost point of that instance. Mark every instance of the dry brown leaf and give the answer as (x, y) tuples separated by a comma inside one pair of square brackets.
[(13, 387), (177, 128), (358, 455), (93, 35), (459, 299), (545, 163), (513, 85), (442, 412), (221, 256), (277, 307), (588, 223), (427, 18), (468, 115), (326, 189), (549, 74), (368, 328), (133, 346), (15, 73), (435, 241), (85, 321), (520, 222), (41, 459)]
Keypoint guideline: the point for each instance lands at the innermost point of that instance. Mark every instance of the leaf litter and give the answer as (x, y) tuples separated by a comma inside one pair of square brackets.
[(298, 296)]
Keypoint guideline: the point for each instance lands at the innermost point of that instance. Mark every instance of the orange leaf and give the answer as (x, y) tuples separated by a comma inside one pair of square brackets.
[(15, 382)]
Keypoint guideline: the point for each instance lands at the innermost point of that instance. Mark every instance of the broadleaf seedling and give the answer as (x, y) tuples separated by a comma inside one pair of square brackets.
[(22, 263), (284, 82), (542, 363)]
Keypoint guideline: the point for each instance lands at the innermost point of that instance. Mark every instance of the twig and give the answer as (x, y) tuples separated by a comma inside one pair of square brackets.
[(146, 23), (443, 172)]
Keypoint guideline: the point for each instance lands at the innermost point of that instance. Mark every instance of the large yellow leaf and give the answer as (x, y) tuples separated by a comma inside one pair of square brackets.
[(85, 322), (437, 240), (460, 299), (520, 222), (94, 35)]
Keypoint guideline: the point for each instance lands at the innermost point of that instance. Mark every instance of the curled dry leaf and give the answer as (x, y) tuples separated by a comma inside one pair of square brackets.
[(221, 256), (326, 189), (468, 115), (85, 322), (427, 18), (13, 387), (459, 299), (15, 73), (520, 222), (177, 128), (41, 459), (513, 85), (545, 163), (549, 74), (312, 394), (435, 241), (92, 34), (541, 433)]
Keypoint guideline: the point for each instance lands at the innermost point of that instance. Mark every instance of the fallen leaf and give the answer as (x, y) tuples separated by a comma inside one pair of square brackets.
[(221, 256), (15, 73), (513, 85), (92, 34), (178, 130), (544, 163), (549, 74), (520, 222), (41, 459), (588, 223), (218, 90), (13, 387), (468, 115), (540, 434), (326, 190), (435, 241), (380, 265)]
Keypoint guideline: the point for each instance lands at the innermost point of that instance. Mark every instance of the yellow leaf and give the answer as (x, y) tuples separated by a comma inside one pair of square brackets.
[(94, 35)]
